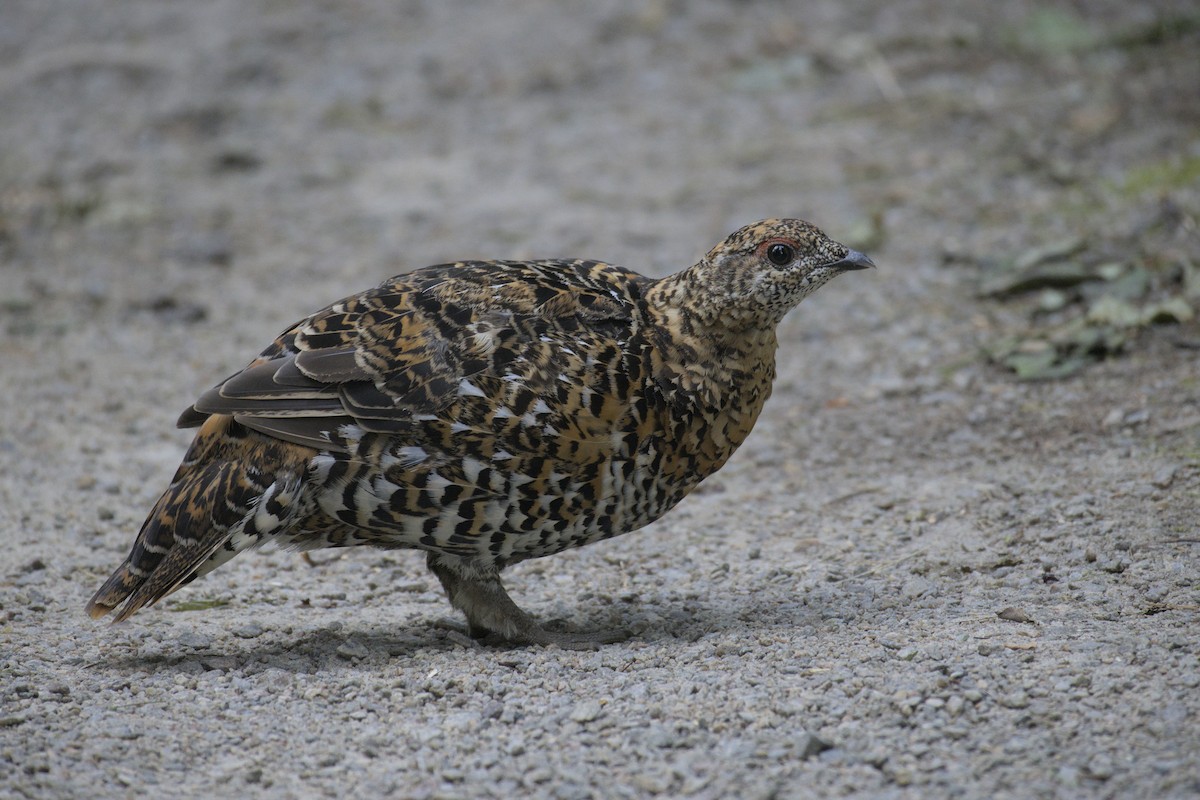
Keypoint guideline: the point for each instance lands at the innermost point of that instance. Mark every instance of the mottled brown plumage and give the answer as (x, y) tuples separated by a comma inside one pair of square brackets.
[(485, 412)]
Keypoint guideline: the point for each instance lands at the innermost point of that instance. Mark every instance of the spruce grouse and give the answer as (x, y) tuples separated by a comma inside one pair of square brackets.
[(485, 412)]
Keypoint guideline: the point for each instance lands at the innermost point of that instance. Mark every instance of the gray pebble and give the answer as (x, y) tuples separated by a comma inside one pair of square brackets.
[(352, 648), (1014, 700), (31, 578), (1157, 592), (1013, 614), (1165, 476), (219, 663), (810, 745), (194, 640), (587, 711), (1100, 767), (1142, 415)]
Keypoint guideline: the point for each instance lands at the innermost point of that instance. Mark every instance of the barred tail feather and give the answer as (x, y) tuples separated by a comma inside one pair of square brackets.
[(235, 488), (183, 530)]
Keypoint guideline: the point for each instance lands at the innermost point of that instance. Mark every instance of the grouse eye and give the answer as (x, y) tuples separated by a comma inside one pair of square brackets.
[(780, 254)]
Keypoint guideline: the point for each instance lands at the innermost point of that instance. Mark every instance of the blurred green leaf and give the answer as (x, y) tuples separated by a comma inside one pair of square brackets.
[(1132, 285), (1191, 279), (1174, 310), (1096, 308), (1052, 251), (1055, 275), (1110, 310), (865, 233), (1052, 300), (772, 75), (1052, 30), (1163, 175), (198, 605)]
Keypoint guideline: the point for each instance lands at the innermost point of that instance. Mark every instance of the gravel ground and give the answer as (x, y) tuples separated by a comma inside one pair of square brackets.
[(919, 577)]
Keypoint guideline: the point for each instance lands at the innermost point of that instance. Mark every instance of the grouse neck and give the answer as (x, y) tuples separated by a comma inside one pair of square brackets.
[(686, 304), (700, 361)]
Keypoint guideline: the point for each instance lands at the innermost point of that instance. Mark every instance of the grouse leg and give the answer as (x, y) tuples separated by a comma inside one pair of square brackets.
[(491, 612)]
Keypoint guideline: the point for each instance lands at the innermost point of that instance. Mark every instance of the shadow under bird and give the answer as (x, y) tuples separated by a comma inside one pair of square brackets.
[(485, 412)]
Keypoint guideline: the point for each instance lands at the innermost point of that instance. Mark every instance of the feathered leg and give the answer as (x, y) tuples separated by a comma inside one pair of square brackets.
[(490, 611)]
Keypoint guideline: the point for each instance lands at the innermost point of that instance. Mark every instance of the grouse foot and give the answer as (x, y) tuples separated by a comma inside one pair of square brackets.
[(493, 617)]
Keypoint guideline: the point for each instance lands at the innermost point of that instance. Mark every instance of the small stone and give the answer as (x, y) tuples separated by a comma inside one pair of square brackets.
[(1113, 418), (906, 701), (917, 587), (250, 630), (1099, 768), (1016, 745), (205, 247), (662, 737), (1013, 614), (587, 711), (1014, 700), (1138, 417), (352, 648), (219, 663), (652, 784), (1114, 565), (31, 578), (1077, 511), (194, 640), (810, 745), (1164, 477), (1157, 592)]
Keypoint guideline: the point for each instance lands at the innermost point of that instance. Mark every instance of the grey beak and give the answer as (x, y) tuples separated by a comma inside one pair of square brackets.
[(854, 260)]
